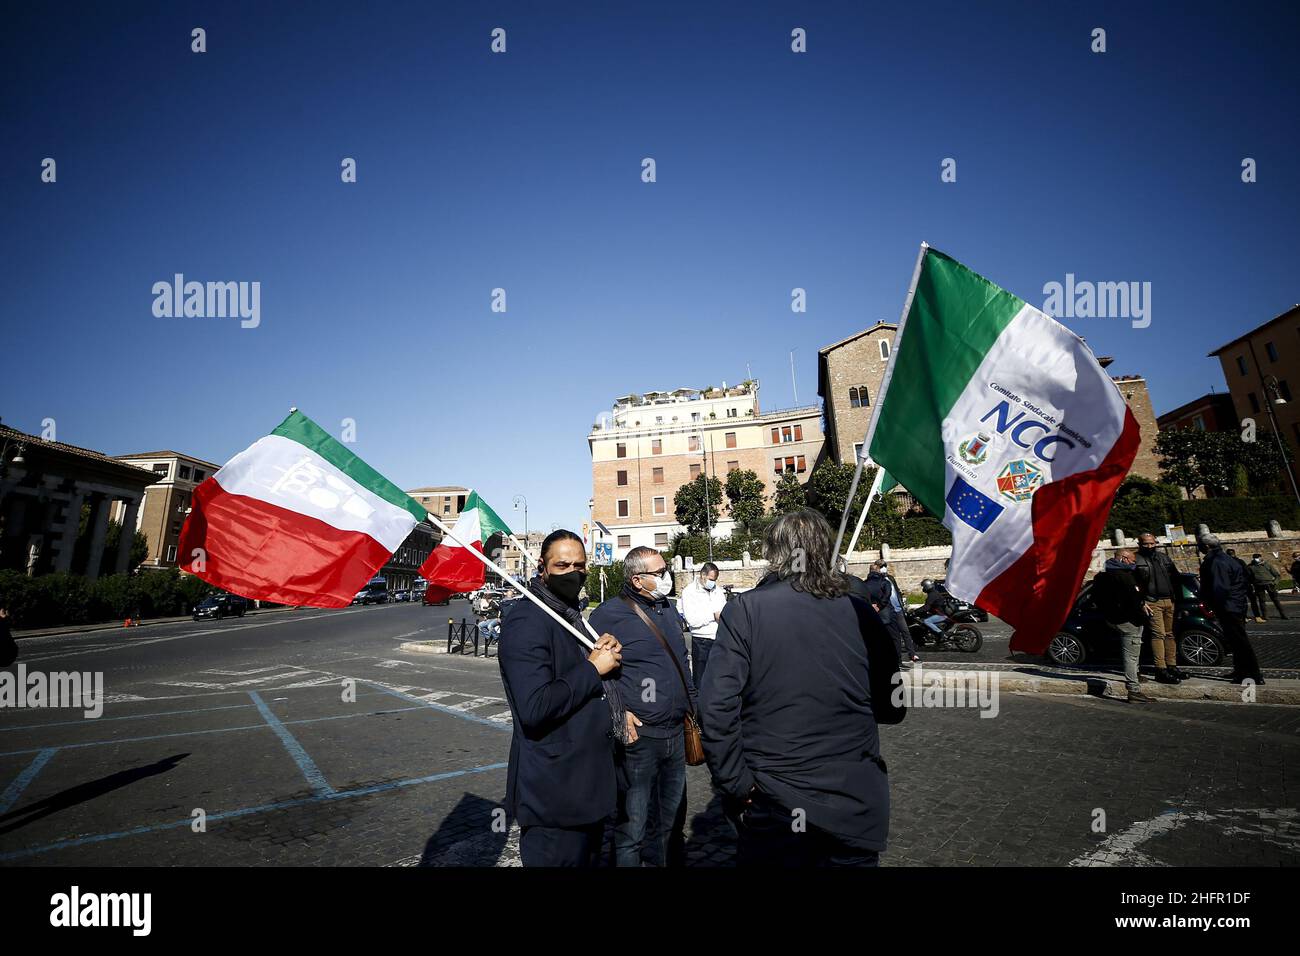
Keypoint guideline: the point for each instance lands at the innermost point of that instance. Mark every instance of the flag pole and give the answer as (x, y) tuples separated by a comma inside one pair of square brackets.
[(871, 497), (880, 397), (515, 584)]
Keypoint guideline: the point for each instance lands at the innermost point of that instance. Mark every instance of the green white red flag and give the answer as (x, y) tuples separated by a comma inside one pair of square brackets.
[(450, 567), (296, 518), (999, 418)]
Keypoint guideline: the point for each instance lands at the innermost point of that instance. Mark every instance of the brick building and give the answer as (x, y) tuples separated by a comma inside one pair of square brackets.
[(1259, 368), (849, 373), (1134, 390), (1209, 413), (653, 443), (166, 502)]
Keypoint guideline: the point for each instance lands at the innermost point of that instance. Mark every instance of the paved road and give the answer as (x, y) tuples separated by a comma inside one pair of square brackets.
[(244, 727)]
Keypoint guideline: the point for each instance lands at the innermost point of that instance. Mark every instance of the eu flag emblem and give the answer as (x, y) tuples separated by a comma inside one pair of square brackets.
[(977, 510)]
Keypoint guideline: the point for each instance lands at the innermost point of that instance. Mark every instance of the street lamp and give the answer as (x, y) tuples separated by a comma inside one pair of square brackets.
[(527, 543), (708, 515), (1273, 388)]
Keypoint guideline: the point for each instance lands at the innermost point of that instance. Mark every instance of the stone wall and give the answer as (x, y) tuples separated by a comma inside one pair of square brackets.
[(912, 565)]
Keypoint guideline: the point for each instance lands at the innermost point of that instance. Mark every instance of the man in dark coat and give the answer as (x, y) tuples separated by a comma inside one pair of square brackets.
[(1250, 592), (799, 678), (657, 688), (1118, 597), (1158, 578), (561, 784), (1224, 588), (885, 598)]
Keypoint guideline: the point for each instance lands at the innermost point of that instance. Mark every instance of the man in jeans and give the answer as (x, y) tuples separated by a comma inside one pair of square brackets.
[(1158, 579), (1224, 586), (657, 690), (1119, 599)]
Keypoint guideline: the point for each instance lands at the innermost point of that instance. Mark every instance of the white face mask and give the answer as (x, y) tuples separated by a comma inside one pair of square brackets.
[(664, 584), (709, 585)]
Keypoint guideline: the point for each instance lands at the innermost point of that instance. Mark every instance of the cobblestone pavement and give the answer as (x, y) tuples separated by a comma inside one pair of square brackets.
[(312, 740)]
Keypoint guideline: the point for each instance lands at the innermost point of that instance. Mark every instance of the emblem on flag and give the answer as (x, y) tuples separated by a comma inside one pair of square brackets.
[(975, 449), (1018, 480), (971, 506)]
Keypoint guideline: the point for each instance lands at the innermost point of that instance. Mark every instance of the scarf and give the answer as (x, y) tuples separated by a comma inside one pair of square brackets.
[(609, 684)]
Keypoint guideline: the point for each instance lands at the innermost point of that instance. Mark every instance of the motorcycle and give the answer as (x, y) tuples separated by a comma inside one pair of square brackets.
[(957, 634)]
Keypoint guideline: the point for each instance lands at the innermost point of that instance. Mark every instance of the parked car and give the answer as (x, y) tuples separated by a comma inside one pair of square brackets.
[(401, 595), (429, 597), (217, 606), (1085, 636)]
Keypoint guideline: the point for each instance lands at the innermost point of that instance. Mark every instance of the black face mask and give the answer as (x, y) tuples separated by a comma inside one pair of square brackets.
[(566, 586)]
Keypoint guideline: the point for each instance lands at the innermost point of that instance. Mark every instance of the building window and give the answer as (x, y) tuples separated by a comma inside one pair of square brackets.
[(656, 446), (625, 541), (1254, 402), (803, 466), (185, 472), (163, 470), (733, 466), (661, 539), (620, 450), (694, 443), (776, 465), (446, 507), (622, 507), (657, 476), (1198, 423), (695, 472), (787, 434), (798, 433), (622, 477), (1271, 349), (199, 474), (789, 463), (857, 450), (171, 552), (660, 505), (1241, 364), (884, 350), (695, 416), (460, 503), (731, 439), (858, 397), (659, 419), (733, 413), (776, 436)]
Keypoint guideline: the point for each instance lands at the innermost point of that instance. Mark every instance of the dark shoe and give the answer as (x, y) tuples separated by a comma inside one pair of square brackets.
[(1164, 677), (1180, 674)]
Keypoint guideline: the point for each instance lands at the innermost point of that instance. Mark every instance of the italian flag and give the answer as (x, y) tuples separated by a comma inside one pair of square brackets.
[(997, 417), (451, 568), (295, 518)]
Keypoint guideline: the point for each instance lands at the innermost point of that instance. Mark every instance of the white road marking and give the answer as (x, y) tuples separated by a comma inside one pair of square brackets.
[(482, 850), (1122, 849)]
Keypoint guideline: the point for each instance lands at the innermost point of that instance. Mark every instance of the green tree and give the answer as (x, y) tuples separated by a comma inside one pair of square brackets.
[(789, 494), (1191, 458), (828, 491), (746, 498), (1265, 467), (1143, 505), (139, 549), (690, 508), (613, 582)]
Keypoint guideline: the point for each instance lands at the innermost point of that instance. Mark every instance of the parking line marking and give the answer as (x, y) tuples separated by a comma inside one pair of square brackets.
[(249, 811), (300, 756), (15, 789)]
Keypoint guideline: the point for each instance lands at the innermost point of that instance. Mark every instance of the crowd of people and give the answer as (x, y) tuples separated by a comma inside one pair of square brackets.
[(781, 693)]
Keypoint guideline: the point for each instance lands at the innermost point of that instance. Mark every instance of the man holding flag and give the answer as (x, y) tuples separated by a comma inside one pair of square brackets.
[(1009, 428)]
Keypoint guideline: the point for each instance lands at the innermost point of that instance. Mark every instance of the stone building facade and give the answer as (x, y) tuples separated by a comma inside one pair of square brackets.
[(44, 486), (849, 375), (1134, 390), (1263, 367), (653, 443), (166, 502)]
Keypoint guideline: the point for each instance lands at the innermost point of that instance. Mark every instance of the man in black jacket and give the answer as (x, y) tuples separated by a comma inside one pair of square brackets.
[(561, 782), (1158, 578), (799, 678), (1119, 599), (1224, 587), (885, 598), (1250, 592), (657, 688)]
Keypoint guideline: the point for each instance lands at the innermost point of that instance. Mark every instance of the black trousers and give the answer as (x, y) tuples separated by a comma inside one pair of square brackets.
[(767, 837), (1263, 592), (1244, 662), (561, 846)]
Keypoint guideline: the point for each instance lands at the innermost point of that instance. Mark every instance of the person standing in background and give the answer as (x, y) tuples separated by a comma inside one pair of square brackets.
[(702, 603)]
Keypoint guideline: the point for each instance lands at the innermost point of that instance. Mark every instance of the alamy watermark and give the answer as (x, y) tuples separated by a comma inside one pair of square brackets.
[(1098, 300), (209, 300), (973, 689), (58, 689)]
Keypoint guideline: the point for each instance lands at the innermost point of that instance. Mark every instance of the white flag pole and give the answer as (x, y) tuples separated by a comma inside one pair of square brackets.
[(862, 518), (880, 397), (522, 589)]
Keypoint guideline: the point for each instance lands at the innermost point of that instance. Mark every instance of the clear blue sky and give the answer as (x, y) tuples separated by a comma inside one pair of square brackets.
[(522, 171)]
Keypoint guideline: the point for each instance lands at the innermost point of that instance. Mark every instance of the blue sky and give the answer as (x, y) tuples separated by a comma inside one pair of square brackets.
[(522, 171)]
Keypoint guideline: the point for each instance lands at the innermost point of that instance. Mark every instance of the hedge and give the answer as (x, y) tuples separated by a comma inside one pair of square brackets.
[(1140, 512), (53, 600)]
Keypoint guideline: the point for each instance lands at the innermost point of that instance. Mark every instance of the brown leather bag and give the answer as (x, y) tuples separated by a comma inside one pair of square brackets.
[(690, 726)]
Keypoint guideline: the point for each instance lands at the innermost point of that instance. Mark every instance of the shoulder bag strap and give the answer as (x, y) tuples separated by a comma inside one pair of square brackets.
[(654, 628)]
